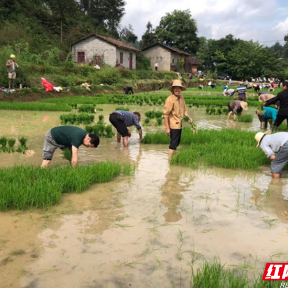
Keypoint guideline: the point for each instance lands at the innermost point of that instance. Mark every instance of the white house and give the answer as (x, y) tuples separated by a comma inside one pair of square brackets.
[(97, 49), (168, 58)]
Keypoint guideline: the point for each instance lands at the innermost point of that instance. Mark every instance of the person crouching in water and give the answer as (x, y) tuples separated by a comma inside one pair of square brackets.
[(236, 107), (174, 111)]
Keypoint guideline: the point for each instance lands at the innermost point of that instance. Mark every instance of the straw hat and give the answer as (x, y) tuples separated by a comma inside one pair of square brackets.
[(259, 136), (12, 56), (177, 83), (244, 105)]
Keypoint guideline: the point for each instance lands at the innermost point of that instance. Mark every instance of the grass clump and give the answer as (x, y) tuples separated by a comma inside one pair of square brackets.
[(32, 186), (153, 114)]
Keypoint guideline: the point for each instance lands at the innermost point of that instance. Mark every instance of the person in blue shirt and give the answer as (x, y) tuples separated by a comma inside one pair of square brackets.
[(266, 114), (121, 119)]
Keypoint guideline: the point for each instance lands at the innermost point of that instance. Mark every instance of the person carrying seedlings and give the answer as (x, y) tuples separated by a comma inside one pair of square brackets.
[(271, 144), (241, 91), (174, 111), (265, 115), (11, 69), (121, 120), (236, 107), (282, 97), (70, 137)]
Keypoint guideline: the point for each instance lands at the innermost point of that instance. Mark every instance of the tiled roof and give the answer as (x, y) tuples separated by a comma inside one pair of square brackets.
[(112, 41)]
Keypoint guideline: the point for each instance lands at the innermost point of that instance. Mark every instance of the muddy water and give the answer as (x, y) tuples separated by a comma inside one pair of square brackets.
[(144, 230)]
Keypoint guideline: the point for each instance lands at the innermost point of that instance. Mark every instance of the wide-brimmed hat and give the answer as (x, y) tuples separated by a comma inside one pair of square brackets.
[(177, 83), (244, 105), (259, 136), (12, 56)]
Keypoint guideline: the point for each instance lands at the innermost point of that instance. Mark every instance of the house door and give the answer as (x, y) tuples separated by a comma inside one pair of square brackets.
[(131, 61)]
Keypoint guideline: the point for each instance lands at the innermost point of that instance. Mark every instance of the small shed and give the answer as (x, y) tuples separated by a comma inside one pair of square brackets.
[(168, 58), (98, 49)]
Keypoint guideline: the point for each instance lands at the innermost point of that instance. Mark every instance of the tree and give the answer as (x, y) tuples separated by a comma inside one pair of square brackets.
[(107, 13), (127, 35), (178, 29), (149, 37)]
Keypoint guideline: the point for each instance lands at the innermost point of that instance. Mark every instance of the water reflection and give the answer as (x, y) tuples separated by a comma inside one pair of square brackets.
[(171, 196), (272, 199)]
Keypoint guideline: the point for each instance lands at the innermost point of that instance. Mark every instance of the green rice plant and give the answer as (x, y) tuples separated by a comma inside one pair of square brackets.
[(147, 120), (122, 108), (11, 143), (186, 119), (108, 131), (82, 118), (213, 148), (67, 154), (245, 118), (98, 109), (213, 274), (101, 120), (153, 114), (159, 121), (23, 141), (87, 108), (73, 105), (31, 186), (34, 106), (3, 143)]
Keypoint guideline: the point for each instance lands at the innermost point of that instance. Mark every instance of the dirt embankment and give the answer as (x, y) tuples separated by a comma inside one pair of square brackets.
[(28, 96)]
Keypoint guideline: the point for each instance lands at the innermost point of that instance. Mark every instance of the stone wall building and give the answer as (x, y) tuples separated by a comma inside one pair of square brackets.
[(97, 49), (168, 58)]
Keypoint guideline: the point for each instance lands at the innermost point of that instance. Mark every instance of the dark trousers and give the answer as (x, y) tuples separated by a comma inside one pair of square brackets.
[(280, 119)]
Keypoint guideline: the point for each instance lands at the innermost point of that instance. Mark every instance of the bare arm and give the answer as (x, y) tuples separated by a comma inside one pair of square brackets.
[(74, 159), (140, 134)]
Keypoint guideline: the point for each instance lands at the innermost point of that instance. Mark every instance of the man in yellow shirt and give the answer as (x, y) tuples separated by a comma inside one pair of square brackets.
[(174, 111)]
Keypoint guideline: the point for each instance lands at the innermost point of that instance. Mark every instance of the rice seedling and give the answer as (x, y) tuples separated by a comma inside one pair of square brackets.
[(34, 106), (3, 143), (11, 143), (31, 186), (23, 141), (245, 118), (87, 108), (213, 274), (219, 148), (122, 108), (70, 119), (67, 154), (159, 121), (147, 120), (101, 120), (101, 130), (186, 119), (154, 114)]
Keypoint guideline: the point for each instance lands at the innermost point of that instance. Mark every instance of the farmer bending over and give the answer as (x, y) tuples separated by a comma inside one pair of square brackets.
[(70, 137), (236, 107), (271, 144), (121, 120), (174, 111)]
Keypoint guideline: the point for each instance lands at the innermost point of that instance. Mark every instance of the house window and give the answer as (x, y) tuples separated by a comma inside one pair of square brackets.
[(80, 57), (173, 61), (121, 57)]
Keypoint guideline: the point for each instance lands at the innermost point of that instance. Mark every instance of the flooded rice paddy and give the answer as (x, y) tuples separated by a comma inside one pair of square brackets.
[(145, 230)]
